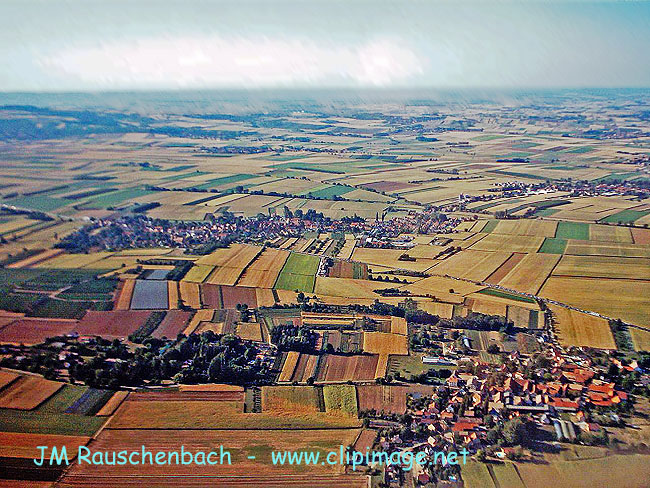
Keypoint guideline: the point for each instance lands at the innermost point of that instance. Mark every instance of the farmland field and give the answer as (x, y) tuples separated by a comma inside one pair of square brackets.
[(384, 343), (578, 329), (471, 264), (298, 273), (531, 273), (299, 399), (572, 230), (208, 415), (340, 399), (264, 271), (348, 368), (240, 443), (115, 324), (640, 339), (35, 331), (604, 267), (614, 298), (149, 294), (553, 246), (28, 392)]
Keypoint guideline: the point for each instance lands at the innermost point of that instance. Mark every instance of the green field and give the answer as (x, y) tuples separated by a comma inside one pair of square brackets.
[(490, 226), (503, 294), (300, 282), (62, 399), (16, 277), (572, 230), (331, 191), (225, 180), (38, 202), (552, 245), (580, 150), (547, 212), (116, 198), (36, 422), (625, 216), (341, 398), (304, 264), (476, 475), (506, 475)]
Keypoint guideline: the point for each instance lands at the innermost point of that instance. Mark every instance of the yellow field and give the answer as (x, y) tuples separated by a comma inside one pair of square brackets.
[(398, 325), (443, 310), (610, 233), (604, 267), (489, 307), (198, 273), (640, 338), (289, 366), (384, 343), (264, 297), (621, 471), (290, 399), (348, 248), (172, 295), (382, 365), (471, 264), (441, 288), (124, 301), (526, 227), (579, 329), (202, 315), (73, 261), (235, 256), (389, 258), (264, 271), (111, 405), (41, 256), (249, 331), (530, 273), (190, 294), (349, 288), (513, 243), (627, 300), (585, 248), (16, 224), (226, 275)]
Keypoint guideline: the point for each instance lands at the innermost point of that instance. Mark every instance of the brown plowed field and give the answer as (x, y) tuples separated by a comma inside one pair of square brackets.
[(389, 398), (28, 392), (34, 331), (187, 396), (505, 268), (19, 445), (232, 295), (117, 324), (173, 324), (349, 368), (211, 296)]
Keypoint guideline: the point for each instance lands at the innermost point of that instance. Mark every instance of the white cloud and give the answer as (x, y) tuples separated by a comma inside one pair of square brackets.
[(202, 62)]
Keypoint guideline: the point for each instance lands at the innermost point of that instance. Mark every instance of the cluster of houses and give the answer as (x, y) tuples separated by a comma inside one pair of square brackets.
[(556, 400)]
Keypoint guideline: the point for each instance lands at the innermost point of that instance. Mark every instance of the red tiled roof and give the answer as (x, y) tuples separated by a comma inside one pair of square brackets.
[(461, 426)]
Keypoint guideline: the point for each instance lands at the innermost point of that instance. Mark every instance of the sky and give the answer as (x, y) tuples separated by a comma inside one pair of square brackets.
[(114, 45)]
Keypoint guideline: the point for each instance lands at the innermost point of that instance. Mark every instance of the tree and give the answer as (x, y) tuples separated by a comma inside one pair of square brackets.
[(514, 432), (493, 349)]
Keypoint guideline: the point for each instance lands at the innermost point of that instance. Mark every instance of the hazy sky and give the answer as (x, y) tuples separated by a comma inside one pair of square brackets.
[(53, 45)]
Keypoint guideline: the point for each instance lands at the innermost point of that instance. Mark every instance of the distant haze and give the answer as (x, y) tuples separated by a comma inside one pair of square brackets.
[(90, 45)]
